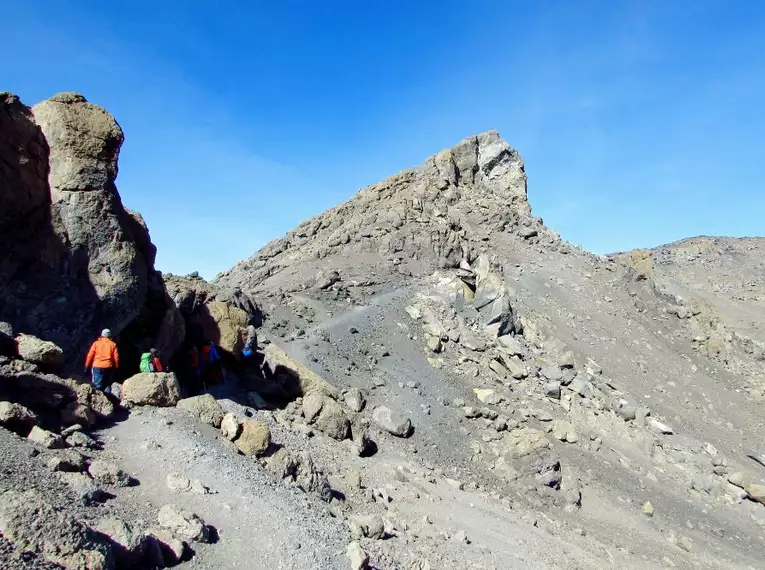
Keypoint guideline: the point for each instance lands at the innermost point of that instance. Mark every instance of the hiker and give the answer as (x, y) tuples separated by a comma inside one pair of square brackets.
[(156, 361), (103, 359), (250, 343), (211, 365), (150, 361), (194, 364)]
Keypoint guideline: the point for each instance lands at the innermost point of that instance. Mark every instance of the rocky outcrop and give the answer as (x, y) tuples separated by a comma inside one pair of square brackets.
[(412, 223), (210, 312), (75, 260)]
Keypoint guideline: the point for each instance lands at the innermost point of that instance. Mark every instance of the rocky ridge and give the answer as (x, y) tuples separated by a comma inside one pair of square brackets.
[(443, 383)]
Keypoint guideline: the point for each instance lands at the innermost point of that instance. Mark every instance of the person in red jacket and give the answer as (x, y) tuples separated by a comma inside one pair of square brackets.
[(103, 359), (156, 362)]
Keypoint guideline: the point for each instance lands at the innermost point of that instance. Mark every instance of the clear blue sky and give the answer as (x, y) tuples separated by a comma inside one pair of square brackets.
[(641, 122)]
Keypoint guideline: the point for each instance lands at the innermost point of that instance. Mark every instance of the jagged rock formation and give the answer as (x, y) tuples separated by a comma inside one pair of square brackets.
[(75, 260), (420, 219)]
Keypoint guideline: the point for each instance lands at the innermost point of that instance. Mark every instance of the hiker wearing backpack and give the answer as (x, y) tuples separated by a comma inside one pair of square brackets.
[(150, 362)]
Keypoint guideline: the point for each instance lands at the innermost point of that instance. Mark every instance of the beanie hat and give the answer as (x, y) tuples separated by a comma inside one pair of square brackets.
[(107, 333)]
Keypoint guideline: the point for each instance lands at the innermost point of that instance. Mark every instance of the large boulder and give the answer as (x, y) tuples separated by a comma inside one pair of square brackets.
[(204, 407), (254, 438), (43, 353), (326, 414), (74, 259), (152, 389)]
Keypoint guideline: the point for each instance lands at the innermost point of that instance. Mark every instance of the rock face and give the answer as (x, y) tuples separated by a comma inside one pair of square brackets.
[(210, 312), (152, 389), (75, 260), (427, 217)]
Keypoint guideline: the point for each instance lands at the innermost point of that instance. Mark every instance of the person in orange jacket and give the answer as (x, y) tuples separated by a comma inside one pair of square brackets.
[(103, 359)]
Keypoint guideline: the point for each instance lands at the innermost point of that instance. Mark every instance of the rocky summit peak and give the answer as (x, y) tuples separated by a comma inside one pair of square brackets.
[(435, 215)]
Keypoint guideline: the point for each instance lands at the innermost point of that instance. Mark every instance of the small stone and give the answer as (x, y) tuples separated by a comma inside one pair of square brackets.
[(68, 460), (564, 431), (358, 558), (455, 484), (230, 426), (255, 437), (108, 473), (355, 400), (353, 478), (659, 427), (756, 492), (740, 479), (685, 543), (485, 395), (624, 410), (394, 423), (367, 526), (184, 524), (552, 390), (434, 344), (648, 509), (551, 373), (46, 439), (79, 439)]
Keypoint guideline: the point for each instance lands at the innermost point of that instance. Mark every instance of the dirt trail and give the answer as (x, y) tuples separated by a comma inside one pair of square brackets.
[(262, 525)]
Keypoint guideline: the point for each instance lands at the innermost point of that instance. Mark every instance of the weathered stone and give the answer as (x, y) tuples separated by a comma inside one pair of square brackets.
[(624, 410), (181, 483), (367, 526), (79, 439), (35, 525), (659, 427), (564, 431), (129, 545), (172, 549), (152, 389), (45, 438), (510, 344), (107, 473), (486, 395), (230, 426), (183, 524), (392, 422), (17, 418), (740, 479), (471, 341), (84, 487), (648, 509), (255, 437), (756, 492), (204, 407), (359, 560), (68, 460), (552, 390), (355, 400), (434, 344), (515, 367), (552, 373), (43, 353), (332, 420)]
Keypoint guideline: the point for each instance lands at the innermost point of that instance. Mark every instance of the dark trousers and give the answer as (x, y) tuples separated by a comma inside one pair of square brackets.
[(102, 378)]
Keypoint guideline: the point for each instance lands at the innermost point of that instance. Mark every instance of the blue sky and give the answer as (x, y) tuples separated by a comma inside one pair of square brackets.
[(641, 122)]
